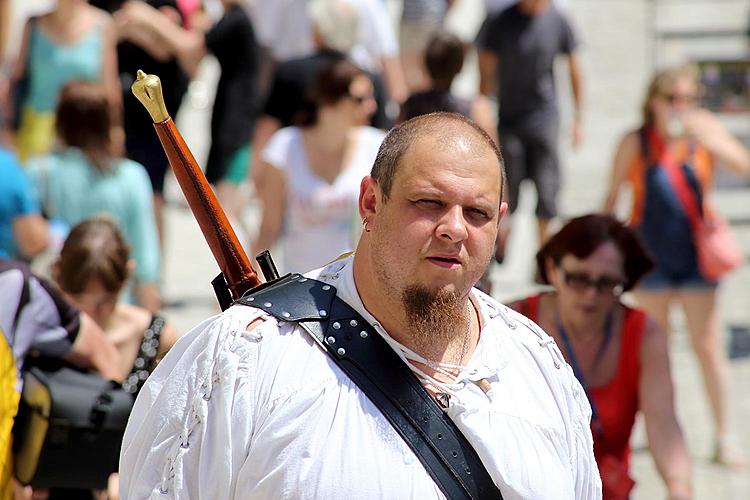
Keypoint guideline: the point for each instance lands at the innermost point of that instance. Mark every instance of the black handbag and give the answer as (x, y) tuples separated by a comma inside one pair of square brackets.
[(70, 423), (69, 427)]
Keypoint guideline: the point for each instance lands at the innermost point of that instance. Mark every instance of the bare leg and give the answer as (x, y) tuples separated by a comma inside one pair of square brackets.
[(159, 216), (704, 325), (656, 305)]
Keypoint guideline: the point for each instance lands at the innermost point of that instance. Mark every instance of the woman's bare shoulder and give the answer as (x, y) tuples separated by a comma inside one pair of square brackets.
[(133, 318)]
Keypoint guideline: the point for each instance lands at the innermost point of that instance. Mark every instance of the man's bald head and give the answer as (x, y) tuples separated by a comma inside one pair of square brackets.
[(447, 129)]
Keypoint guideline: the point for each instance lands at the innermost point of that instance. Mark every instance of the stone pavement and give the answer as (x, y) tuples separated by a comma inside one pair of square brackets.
[(617, 57)]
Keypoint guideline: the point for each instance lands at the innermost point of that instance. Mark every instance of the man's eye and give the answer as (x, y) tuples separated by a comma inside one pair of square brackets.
[(429, 203), (478, 213)]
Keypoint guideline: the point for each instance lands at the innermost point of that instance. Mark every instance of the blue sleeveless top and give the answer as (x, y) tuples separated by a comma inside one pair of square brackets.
[(52, 65)]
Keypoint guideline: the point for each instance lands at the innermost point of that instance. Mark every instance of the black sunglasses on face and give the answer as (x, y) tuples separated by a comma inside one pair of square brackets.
[(680, 98), (359, 99), (581, 281)]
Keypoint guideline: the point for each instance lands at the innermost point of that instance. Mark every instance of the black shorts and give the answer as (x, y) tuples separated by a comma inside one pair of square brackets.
[(530, 152), (148, 152)]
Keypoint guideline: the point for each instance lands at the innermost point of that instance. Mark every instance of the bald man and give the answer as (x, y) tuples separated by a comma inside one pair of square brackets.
[(251, 406)]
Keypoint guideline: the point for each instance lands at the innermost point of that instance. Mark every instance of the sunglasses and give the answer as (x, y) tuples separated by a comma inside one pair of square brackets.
[(680, 98), (359, 99), (582, 282)]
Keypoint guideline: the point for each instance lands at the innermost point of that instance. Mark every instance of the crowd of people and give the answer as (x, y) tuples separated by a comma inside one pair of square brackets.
[(307, 94)]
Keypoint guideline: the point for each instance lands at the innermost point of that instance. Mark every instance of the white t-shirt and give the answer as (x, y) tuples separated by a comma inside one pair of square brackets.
[(285, 28), (321, 218), (236, 414)]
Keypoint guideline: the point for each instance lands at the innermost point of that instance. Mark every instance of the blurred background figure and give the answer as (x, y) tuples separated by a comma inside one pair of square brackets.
[(309, 181), (336, 27), (92, 271), (24, 232), (237, 101), (85, 178), (444, 59), (675, 132), (142, 49), (336, 31), (286, 28), (74, 41), (420, 19), (619, 354), (517, 51), (34, 316)]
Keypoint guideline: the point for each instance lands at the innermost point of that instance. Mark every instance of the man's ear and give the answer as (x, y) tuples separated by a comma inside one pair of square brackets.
[(370, 197), (502, 212)]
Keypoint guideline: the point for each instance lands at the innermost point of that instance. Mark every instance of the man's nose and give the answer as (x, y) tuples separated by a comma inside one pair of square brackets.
[(452, 225)]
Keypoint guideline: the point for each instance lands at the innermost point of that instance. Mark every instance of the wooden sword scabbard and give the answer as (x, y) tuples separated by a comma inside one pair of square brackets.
[(231, 258)]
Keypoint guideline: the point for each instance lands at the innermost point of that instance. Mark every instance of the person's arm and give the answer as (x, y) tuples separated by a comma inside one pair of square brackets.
[(91, 349), (709, 131), (484, 115), (19, 70), (265, 127), (576, 85), (488, 63), (270, 187), (146, 39), (110, 76), (188, 46), (4, 26), (657, 404), (31, 233), (141, 229), (482, 109), (626, 151), (394, 78), (30, 230)]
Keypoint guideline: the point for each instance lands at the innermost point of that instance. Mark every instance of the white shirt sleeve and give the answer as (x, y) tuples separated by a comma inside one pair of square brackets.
[(377, 34), (192, 423), (279, 147)]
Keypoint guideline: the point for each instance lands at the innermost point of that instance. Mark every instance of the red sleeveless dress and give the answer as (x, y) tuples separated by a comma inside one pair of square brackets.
[(617, 401)]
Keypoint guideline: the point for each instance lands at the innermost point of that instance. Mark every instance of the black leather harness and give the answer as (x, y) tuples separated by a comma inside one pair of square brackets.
[(377, 370)]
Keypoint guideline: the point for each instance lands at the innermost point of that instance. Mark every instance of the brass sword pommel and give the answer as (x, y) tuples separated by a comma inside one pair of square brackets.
[(147, 89)]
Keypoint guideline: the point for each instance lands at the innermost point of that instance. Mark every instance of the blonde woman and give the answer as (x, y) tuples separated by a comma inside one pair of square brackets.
[(676, 132)]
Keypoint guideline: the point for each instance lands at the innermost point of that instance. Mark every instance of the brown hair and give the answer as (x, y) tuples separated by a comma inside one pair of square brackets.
[(444, 58), (401, 137), (94, 249), (84, 121), (330, 86), (662, 84), (581, 236)]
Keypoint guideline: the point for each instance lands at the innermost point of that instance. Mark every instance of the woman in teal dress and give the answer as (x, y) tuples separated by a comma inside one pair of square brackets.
[(75, 41), (84, 178)]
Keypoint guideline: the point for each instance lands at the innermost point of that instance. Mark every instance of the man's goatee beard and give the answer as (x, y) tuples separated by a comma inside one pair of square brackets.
[(436, 317)]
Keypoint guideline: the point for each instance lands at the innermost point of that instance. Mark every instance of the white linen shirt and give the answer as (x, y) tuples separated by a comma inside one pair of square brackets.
[(265, 413)]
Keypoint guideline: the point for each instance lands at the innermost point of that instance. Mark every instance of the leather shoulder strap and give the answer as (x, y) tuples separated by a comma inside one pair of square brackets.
[(377, 370)]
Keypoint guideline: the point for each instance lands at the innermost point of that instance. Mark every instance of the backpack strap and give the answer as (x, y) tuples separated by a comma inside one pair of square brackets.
[(364, 356), (24, 299)]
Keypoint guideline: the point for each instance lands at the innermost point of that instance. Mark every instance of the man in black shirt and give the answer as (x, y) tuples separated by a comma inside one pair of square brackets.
[(517, 50)]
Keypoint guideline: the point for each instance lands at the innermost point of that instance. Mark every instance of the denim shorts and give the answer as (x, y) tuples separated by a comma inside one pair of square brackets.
[(657, 280)]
